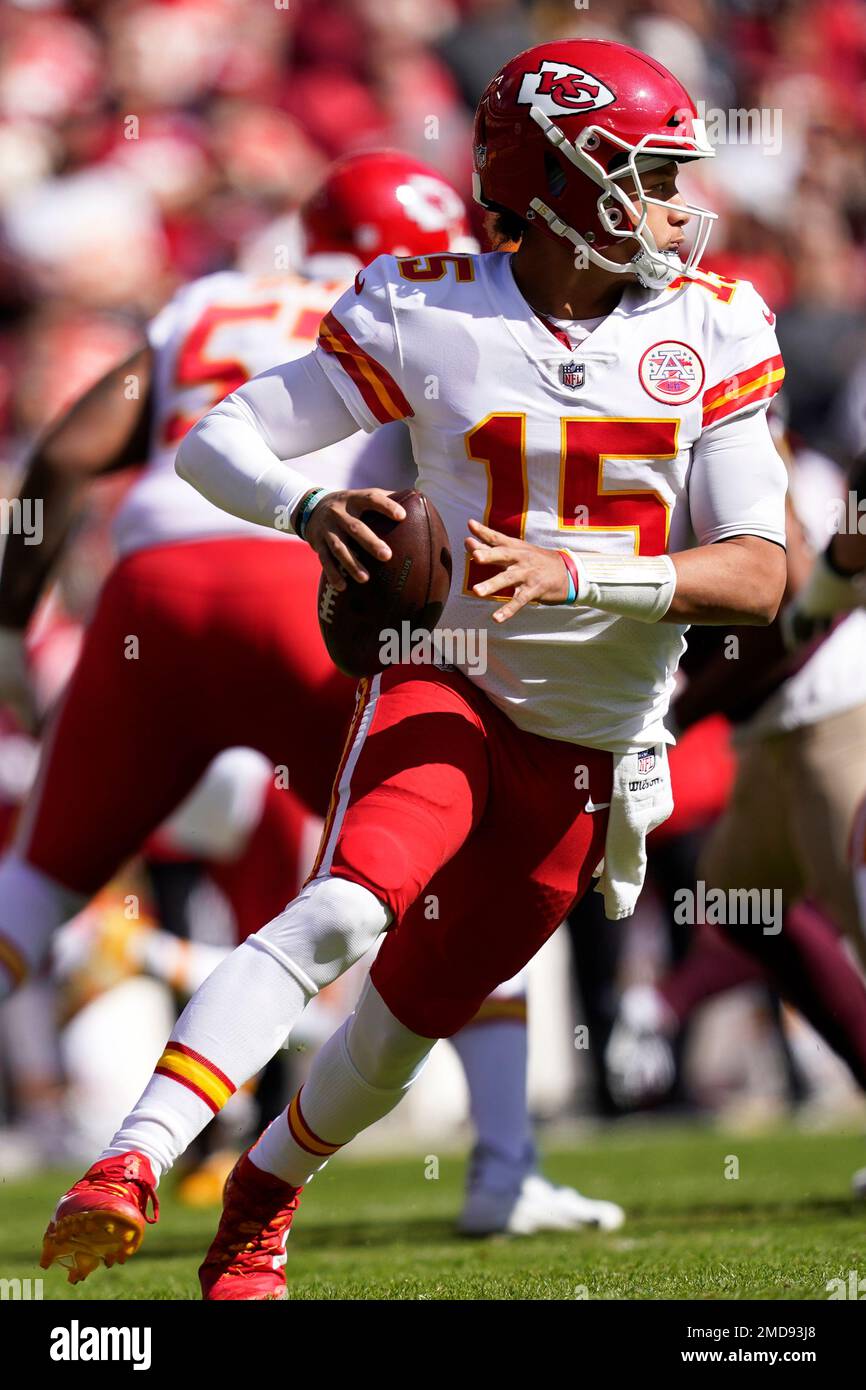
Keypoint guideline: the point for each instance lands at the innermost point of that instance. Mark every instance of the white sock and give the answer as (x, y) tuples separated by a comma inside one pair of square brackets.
[(360, 1075), (494, 1058), (32, 908), (244, 1012)]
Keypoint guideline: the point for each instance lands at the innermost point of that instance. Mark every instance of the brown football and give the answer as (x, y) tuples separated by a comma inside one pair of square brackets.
[(412, 587)]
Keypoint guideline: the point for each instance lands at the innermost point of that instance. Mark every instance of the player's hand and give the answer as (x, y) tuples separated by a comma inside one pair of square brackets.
[(16, 692), (335, 527), (537, 575)]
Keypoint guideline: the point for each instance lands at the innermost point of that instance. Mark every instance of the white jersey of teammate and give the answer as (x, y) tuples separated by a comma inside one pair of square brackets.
[(212, 336), (648, 434)]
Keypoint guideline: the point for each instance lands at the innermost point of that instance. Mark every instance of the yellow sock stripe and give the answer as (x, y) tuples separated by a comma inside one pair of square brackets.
[(12, 959), (501, 1010), (304, 1136), (186, 1069)]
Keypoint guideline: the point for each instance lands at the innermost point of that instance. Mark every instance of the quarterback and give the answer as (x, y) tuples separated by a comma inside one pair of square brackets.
[(132, 737), (587, 413)]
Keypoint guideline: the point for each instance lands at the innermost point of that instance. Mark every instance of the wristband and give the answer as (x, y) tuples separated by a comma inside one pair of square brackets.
[(308, 506), (573, 579), (640, 587)]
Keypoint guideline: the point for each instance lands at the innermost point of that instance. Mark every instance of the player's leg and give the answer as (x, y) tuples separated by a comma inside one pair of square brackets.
[(118, 757), (857, 864), (494, 1053), (767, 841), (505, 1191), (824, 783), (486, 912), (279, 690), (639, 1056), (411, 786)]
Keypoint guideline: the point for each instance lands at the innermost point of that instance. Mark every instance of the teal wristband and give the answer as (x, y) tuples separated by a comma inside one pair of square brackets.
[(311, 501), (571, 571)]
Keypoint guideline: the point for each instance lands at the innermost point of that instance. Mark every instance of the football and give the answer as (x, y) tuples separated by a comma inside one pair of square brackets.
[(411, 587)]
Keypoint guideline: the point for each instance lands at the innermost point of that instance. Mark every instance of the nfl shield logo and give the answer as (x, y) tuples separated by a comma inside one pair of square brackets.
[(572, 374), (646, 760)]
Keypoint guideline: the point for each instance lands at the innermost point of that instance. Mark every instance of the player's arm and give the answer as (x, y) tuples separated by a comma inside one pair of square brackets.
[(106, 430), (736, 574), (239, 457), (837, 582), (102, 432)]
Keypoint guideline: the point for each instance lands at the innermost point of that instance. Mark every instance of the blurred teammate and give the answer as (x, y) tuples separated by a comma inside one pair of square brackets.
[(589, 397), (800, 733), (206, 637), (837, 583)]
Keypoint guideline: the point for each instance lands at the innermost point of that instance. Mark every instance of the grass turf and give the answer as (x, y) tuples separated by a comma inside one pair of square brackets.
[(382, 1230)]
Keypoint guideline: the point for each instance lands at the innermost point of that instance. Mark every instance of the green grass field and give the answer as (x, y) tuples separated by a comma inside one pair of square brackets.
[(381, 1230)]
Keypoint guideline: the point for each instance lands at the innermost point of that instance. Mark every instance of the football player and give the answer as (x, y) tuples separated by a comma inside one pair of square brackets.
[(837, 583), (799, 721), (576, 409), (205, 636)]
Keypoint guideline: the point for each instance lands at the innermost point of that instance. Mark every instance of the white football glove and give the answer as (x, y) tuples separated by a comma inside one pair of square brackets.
[(16, 690)]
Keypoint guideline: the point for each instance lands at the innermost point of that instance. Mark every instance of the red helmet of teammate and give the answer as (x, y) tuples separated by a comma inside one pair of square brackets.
[(384, 202), (562, 125)]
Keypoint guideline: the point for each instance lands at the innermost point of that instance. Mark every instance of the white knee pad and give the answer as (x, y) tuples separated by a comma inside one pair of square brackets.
[(32, 907), (223, 809), (325, 930), (384, 1052)]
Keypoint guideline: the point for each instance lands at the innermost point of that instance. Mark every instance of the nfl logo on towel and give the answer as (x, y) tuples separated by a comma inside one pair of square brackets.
[(572, 374), (646, 760)]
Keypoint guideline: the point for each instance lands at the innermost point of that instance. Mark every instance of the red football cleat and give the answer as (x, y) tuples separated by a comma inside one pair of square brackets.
[(248, 1252), (102, 1218)]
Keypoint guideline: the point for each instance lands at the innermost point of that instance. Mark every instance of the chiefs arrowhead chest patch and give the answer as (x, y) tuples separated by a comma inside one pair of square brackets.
[(671, 372)]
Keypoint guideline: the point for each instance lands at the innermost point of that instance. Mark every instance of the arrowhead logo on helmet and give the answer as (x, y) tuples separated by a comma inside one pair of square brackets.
[(564, 136), (559, 87)]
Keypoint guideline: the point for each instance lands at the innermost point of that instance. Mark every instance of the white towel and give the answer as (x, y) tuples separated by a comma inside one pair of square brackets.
[(641, 799)]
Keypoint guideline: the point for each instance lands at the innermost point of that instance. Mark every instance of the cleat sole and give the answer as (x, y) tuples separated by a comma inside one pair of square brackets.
[(83, 1240)]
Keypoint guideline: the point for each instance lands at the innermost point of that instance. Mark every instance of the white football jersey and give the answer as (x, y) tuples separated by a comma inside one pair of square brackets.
[(609, 447), (211, 337)]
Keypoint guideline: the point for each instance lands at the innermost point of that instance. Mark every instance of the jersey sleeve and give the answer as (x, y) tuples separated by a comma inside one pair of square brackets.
[(737, 482), (359, 350), (744, 368)]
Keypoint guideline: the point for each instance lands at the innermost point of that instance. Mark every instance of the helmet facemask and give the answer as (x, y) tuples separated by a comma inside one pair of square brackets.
[(622, 216)]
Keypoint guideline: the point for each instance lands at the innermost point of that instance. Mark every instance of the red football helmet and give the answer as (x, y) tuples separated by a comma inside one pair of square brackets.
[(563, 123), (384, 202)]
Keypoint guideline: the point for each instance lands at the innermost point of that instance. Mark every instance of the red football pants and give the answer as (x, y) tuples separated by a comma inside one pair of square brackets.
[(193, 648), (474, 833)]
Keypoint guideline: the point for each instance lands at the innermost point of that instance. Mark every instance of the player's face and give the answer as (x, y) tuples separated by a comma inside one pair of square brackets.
[(667, 224)]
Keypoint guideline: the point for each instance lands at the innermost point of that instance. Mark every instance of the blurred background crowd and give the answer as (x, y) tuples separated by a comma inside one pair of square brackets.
[(147, 142)]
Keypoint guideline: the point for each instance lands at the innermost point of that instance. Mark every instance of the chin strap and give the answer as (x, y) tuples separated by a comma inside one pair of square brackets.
[(654, 269)]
